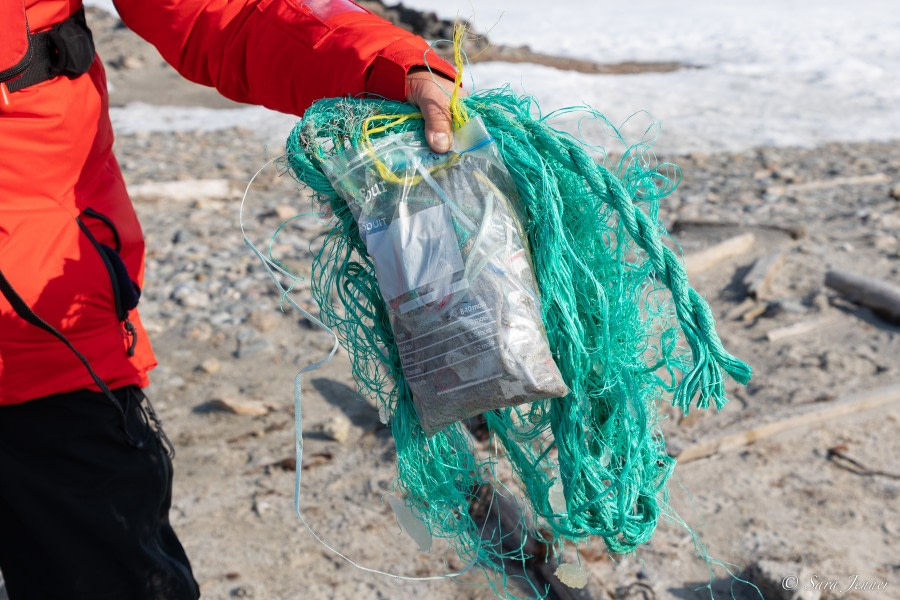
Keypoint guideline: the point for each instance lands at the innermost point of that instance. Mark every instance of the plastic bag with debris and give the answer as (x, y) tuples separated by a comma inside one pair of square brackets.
[(453, 266)]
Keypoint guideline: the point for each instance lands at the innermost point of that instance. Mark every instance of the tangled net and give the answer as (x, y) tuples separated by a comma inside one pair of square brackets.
[(615, 303)]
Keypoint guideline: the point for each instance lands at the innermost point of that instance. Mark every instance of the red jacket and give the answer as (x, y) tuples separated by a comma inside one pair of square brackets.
[(56, 158)]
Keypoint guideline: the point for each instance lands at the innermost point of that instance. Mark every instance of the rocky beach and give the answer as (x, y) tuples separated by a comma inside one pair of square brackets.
[(815, 498)]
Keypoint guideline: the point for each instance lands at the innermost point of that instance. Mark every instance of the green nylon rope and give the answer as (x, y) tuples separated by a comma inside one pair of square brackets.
[(616, 302)]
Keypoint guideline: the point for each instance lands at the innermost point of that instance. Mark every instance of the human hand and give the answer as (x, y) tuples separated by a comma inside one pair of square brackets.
[(431, 93)]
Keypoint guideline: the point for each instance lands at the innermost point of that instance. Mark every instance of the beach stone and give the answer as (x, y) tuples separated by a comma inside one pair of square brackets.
[(820, 302), (572, 575), (264, 319), (132, 62), (181, 236), (238, 406), (211, 366), (175, 381), (185, 295), (890, 222), (251, 346), (337, 428), (285, 212), (242, 591), (782, 581), (885, 242)]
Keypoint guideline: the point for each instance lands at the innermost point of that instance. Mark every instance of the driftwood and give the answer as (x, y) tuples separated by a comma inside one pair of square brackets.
[(738, 311), (882, 297), (758, 309), (824, 184), (801, 328), (704, 260), (192, 189), (800, 419), (795, 231), (747, 310), (758, 280), (237, 406)]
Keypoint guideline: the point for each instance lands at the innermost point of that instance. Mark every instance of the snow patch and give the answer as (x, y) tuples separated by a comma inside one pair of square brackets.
[(106, 5), (260, 122)]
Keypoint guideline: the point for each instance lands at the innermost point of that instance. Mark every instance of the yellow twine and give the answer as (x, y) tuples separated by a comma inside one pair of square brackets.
[(458, 114), (457, 110)]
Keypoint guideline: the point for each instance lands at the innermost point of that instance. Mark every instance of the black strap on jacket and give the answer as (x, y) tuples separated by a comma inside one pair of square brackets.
[(66, 49), (29, 316)]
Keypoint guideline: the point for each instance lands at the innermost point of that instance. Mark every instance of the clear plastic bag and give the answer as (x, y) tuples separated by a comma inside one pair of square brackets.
[(454, 270)]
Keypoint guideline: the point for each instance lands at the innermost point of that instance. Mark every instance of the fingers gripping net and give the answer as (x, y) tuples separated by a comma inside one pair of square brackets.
[(615, 304)]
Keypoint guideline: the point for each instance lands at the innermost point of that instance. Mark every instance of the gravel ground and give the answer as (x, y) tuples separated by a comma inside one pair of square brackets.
[(219, 335)]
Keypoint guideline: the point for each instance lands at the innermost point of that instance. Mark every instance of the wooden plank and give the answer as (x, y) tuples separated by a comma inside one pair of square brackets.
[(824, 184), (183, 191), (758, 309), (882, 297), (795, 231), (701, 261), (801, 419), (802, 328), (758, 280), (736, 312)]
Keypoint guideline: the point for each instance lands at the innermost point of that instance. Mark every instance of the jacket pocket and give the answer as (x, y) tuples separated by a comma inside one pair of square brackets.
[(126, 292)]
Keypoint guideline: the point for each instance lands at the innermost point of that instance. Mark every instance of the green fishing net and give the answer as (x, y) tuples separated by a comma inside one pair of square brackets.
[(624, 328)]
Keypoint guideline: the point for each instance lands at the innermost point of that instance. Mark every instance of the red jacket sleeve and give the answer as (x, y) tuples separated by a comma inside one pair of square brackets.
[(283, 54)]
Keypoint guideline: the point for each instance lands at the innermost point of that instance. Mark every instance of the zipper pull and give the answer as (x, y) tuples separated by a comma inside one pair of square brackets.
[(134, 336), (4, 95)]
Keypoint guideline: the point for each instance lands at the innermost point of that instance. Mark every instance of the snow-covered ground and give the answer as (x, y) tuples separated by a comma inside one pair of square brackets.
[(106, 5), (774, 72), (139, 116)]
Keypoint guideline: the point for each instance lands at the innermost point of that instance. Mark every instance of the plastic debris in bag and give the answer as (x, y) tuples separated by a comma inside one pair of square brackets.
[(454, 270)]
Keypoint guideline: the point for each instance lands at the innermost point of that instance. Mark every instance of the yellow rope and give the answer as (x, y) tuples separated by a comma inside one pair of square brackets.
[(458, 114), (457, 110)]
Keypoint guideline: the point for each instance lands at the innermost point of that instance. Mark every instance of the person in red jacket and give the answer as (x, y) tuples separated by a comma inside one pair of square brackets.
[(85, 482)]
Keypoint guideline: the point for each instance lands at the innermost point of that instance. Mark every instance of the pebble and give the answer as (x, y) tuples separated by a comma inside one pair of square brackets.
[(175, 381), (886, 242), (211, 366), (782, 581), (337, 428), (252, 347), (242, 591), (890, 222), (264, 319), (181, 236), (572, 575), (132, 62), (238, 406), (285, 212), (187, 296)]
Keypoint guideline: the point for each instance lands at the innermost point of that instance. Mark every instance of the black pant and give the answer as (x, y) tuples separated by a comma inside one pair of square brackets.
[(85, 490)]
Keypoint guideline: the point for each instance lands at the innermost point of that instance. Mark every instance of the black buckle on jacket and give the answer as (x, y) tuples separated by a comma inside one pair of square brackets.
[(74, 46), (66, 49)]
